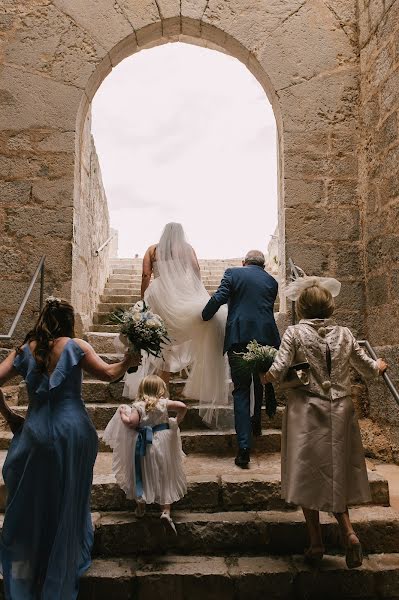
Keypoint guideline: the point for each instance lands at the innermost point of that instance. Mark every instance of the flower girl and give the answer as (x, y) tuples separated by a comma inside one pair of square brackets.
[(147, 454)]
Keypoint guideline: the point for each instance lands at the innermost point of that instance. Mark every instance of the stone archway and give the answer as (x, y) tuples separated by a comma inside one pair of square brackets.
[(56, 54)]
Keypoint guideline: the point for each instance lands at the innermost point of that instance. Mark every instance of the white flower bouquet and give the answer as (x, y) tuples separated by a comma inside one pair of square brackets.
[(140, 329)]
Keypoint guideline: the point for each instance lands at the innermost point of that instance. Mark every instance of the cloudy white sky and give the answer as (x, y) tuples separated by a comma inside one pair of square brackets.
[(187, 134)]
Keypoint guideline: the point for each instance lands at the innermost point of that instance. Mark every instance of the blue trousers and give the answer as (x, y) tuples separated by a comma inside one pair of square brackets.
[(241, 395)]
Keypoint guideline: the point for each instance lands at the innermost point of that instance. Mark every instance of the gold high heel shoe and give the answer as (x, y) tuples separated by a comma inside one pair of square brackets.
[(354, 552)]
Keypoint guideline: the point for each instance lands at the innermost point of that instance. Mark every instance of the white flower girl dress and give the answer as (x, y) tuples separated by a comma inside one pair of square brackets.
[(148, 462)]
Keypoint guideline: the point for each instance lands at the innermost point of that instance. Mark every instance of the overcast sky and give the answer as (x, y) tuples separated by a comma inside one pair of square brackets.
[(187, 134)]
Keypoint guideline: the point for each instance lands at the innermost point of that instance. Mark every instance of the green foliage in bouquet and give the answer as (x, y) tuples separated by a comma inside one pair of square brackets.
[(140, 329), (257, 359)]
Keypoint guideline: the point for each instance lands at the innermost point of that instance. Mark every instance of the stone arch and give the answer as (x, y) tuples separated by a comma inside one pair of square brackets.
[(303, 52)]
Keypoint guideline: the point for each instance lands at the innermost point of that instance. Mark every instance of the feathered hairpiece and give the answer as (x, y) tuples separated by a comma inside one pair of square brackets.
[(294, 289)]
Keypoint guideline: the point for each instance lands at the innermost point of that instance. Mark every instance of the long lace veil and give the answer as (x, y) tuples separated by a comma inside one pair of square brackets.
[(178, 295)]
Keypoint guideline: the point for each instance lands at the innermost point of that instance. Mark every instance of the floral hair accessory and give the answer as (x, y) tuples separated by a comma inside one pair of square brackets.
[(295, 289), (53, 301)]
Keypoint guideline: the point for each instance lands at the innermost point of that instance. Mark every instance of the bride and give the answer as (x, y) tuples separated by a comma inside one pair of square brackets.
[(178, 296)]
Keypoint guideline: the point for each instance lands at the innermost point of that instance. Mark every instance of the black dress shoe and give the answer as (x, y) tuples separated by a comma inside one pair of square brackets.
[(256, 428), (242, 459)]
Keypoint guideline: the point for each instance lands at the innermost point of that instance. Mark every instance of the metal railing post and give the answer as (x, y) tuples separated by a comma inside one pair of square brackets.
[(40, 269)]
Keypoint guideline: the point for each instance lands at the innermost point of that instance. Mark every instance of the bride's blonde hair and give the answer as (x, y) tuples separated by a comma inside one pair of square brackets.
[(151, 389)]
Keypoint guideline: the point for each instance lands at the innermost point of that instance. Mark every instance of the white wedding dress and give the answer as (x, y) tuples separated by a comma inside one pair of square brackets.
[(178, 295)]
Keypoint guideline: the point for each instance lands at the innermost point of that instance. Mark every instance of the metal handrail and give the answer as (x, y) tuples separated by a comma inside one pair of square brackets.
[(388, 381), (111, 237), (295, 273), (40, 269)]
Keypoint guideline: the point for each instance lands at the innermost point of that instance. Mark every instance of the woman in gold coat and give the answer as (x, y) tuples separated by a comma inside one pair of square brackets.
[(323, 466)]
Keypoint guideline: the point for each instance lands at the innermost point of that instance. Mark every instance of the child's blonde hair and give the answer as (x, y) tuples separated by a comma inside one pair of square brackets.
[(315, 302), (151, 389)]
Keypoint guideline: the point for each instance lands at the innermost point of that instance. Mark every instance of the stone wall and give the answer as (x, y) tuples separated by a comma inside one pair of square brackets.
[(91, 230), (379, 189), (55, 54), (379, 174)]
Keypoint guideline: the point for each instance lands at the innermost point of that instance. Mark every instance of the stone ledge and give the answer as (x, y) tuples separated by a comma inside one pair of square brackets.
[(272, 532), (249, 578)]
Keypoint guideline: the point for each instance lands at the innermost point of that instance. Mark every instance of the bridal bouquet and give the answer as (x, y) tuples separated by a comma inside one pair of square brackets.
[(140, 329)]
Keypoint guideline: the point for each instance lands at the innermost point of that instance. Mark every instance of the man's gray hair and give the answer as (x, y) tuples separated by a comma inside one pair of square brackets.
[(255, 257)]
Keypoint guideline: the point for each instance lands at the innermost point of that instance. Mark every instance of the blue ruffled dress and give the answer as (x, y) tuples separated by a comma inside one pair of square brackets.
[(47, 533)]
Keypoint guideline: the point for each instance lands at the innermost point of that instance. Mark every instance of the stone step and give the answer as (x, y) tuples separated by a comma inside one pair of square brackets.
[(95, 391), (103, 343), (215, 484), (117, 298), (107, 307), (240, 578), (238, 533), (100, 328)]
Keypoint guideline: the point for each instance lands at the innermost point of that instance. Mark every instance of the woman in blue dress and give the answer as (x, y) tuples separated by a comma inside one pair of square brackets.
[(47, 534)]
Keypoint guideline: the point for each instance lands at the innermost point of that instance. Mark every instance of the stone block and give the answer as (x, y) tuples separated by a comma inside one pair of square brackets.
[(322, 225), (311, 257), (38, 222), (105, 21), (350, 584), (386, 568), (123, 49), (389, 92), (255, 492), (13, 193), (53, 193), (55, 104), (255, 575), (342, 193), (183, 577), (371, 111), (388, 131), (150, 35), (348, 260), (321, 102), (351, 296), (140, 14), (50, 42), (302, 192), (193, 9), (376, 13)]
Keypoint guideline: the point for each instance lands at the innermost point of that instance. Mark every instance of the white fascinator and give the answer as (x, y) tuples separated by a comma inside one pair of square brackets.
[(296, 287)]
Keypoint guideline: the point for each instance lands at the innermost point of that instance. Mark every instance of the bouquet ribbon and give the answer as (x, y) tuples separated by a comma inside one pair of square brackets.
[(144, 437)]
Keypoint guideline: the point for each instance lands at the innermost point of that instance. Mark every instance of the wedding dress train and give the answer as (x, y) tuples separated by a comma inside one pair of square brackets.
[(178, 296)]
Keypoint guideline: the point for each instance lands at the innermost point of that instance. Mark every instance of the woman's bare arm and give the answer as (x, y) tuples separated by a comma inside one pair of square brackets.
[(7, 370), (147, 270), (94, 365)]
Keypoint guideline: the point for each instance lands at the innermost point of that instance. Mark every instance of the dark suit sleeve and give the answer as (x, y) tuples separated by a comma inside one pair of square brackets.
[(221, 296)]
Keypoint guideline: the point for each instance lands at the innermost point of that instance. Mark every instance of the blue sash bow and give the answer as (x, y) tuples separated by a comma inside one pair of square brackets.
[(144, 437)]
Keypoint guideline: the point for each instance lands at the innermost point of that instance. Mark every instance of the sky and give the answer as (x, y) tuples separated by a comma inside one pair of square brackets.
[(187, 134)]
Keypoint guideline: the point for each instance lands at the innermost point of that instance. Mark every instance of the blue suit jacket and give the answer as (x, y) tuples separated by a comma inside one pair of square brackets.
[(250, 293)]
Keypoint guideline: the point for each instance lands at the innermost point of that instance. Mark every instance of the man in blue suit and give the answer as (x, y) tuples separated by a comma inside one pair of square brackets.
[(250, 294)]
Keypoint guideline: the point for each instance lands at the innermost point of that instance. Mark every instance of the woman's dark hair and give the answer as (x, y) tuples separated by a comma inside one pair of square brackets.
[(56, 319)]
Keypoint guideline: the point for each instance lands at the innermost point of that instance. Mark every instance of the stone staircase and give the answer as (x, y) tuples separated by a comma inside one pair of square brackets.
[(124, 285), (236, 538)]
